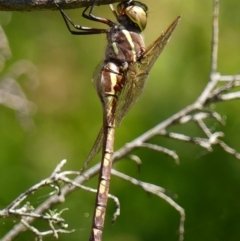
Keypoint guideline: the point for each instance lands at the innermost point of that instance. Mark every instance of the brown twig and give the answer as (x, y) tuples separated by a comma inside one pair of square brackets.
[(37, 5)]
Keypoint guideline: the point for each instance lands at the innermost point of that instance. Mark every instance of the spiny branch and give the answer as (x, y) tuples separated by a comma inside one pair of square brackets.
[(27, 213), (160, 192)]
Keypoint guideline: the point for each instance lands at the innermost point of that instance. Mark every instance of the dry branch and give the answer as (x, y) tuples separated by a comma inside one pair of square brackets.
[(37, 5)]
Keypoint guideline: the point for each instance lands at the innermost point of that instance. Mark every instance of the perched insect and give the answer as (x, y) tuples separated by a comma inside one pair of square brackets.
[(119, 81)]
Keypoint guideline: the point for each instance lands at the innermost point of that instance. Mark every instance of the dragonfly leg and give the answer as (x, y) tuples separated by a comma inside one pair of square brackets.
[(82, 30), (92, 17)]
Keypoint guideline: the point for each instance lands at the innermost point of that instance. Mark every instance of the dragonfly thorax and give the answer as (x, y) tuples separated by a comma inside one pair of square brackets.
[(125, 42), (124, 46)]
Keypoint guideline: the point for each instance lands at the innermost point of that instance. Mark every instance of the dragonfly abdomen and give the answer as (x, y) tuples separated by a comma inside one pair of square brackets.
[(103, 184), (109, 82), (108, 86)]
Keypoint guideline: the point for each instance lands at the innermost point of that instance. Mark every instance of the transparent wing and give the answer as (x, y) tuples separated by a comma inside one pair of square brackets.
[(98, 142), (95, 149), (138, 72), (96, 73)]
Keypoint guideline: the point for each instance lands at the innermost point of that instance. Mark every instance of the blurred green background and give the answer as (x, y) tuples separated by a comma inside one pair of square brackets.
[(68, 119)]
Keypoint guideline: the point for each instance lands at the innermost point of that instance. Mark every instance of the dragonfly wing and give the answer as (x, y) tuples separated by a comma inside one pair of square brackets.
[(98, 142), (97, 73), (132, 89), (95, 149), (138, 72), (153, 51)]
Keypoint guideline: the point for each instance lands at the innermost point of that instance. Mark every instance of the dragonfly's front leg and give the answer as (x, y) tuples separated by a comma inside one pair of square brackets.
[(82, 30)]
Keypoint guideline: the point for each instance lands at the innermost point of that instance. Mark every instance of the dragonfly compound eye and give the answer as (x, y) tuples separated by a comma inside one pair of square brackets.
[(135, 11), (138, 16)]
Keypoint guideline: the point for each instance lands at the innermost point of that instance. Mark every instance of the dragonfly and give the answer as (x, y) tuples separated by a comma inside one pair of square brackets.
[(119, 80)]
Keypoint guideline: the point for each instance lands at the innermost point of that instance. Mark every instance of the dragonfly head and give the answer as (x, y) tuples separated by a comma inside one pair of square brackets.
[(132, 14)]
